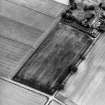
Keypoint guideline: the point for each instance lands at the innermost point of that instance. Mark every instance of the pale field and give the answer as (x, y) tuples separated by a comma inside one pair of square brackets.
[(22, 22)]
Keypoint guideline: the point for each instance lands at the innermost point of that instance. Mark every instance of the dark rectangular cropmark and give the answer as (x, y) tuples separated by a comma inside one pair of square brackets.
[(48, 66)]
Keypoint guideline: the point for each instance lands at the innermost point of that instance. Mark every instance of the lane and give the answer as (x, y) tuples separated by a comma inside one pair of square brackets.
[(54, 103)]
